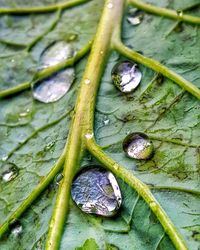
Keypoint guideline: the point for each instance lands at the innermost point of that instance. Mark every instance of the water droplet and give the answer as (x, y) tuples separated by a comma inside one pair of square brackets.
[(55, 87), (106, 122), (56, 53), (135, 16), (89, 136), (10, 172), (95, 190), (110, 5), (101, 52), (58, 178), (126, 76), (4, 157), (116, 166), (87, 81), (179, 13), (16, 229), (138, 146)]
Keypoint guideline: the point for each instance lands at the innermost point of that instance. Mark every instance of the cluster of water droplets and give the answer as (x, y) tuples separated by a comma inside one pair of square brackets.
[(56, 86)]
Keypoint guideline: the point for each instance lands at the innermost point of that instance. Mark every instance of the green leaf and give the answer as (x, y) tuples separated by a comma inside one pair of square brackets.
[(33, 134)]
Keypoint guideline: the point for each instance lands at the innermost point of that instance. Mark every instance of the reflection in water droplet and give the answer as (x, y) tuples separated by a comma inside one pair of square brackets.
[(16, 229), (25, 113), (138, 146), (126, 76), (10, 172), (56, 53), (54, 87), (89, 136), (96, 191), (135, 16)]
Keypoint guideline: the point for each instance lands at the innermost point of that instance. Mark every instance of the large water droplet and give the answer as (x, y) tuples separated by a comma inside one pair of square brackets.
[(10, 172), (95, 190), (138, 146), (135, 16), (126, 76), (54, 87), (56, 53)]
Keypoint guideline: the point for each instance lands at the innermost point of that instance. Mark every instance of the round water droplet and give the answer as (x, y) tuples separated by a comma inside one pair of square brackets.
[(56, 53), (126, 76), (96, 191), (87, 81), (179, 13), (55, 87), (138, 146), (10, 172), (58, 178), (135, 16), (110, 5), (106, 122)]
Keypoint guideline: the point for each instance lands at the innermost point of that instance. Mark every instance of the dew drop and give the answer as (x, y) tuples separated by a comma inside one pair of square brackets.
[(135, 16), (4, 157), (16, 229), (126, 76), (55, 87), (9, 173), (89, 136), (106, 122), (179, 13), (110, 5), (96, 191), (56, 53), (58, 178), (87, 81), (138, 146)]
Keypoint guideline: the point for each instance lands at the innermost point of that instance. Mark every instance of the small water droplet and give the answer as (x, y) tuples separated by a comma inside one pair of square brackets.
[(58, 178), (179, 13), (138, 146), (10, 172), (12, 60), (116, 166), (4, 157), (87, 81), (110, 5), (55, 87), (56, 53), (101, 52), (135, 16), (106, 122), (95, 190), (16, 229), (126, 76), (89, 136)]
